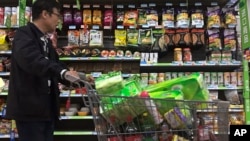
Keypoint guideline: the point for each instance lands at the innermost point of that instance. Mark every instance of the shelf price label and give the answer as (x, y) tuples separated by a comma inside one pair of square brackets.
[(211, 63), (200, 63), (188, 63), (177, 63)]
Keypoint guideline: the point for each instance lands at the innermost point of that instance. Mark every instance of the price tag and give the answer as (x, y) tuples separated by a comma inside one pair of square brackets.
[(64, 117), (169, 4), (107, 27), (188, 63), (177, 63), (144, 5), (95, 27), (198, 63), (131, 6), (211, 86), (145, 26), (96, 6), (120, 6), (72, 27), (120, 27), (65, 93), (224, 63), (231, 86), (108, 6), (211, 63), (96, 74), (86, 6), (234, 62)]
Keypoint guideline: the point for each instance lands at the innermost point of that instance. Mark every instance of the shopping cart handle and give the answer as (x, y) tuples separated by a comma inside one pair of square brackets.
[(72, 78), (82, 75)]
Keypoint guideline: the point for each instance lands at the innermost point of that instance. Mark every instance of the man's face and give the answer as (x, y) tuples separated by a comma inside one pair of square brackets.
[(53, 20)]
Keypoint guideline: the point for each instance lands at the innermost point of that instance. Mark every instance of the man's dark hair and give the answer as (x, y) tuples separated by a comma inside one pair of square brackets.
[(40, 5)]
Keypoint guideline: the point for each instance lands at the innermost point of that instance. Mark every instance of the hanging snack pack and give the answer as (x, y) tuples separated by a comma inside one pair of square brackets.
[(120, 14), (229, 39), (108, 19), (97, 17), (145, 37), (120, 38), (169, 37), (168, 18), (142, 16), (73, 37), (132, 37), (158, 40), (197, 18), (214, 39), (77, 16), (84, 37), (130, 18), (67, 15), (152, 17), (182, 37), (230, 17), (198, 37), (87, 15), (182, 19), (96, 38), (213, 14)]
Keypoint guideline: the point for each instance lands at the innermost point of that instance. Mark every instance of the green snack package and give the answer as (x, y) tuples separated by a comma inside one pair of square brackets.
[(166, 100), (110, 83), (192, 86), (124, 103)]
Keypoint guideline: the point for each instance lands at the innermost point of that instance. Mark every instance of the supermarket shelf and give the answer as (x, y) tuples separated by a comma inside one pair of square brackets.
[(7, 52), (3, 26), (4, 74), (232, 108), (3, 136), (98, 74), (75, 117), (99, 59), (4, 93), (224, 88), (61, 95), (59, 133), (190, 66), (72, 95), (75, 133)]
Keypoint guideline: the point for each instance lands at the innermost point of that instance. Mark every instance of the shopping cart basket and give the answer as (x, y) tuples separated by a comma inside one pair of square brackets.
[(120, 118)]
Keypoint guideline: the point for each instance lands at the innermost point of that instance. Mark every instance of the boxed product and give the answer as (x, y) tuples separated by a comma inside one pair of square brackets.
[(123, 103), (192, 87)]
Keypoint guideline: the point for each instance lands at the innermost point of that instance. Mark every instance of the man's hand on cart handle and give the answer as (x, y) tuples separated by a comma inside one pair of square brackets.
[(72, 76), (88, 78)]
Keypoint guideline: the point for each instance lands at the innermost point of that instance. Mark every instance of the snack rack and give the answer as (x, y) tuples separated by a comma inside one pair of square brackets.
[(182, 119)]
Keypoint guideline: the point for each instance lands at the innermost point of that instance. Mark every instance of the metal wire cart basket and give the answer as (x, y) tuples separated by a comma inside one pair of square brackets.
[(120, 118)]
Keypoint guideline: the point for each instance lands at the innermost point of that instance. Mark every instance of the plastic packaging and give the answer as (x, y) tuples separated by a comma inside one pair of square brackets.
[(151, 107)]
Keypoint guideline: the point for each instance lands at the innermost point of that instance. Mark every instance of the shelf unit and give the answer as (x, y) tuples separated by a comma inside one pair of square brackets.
[(158, 67)]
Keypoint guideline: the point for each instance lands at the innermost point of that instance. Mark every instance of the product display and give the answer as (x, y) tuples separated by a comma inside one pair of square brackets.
[(174, 51)]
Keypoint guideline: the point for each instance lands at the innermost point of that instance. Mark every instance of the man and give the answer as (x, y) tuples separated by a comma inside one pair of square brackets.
[(33, 97)]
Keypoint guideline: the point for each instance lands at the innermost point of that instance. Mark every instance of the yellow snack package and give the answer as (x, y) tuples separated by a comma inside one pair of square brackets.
[(97, 17), (120, 37), (87, 16)]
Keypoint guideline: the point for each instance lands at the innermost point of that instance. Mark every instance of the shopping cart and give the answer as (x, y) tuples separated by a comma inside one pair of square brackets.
[(120, 118)]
